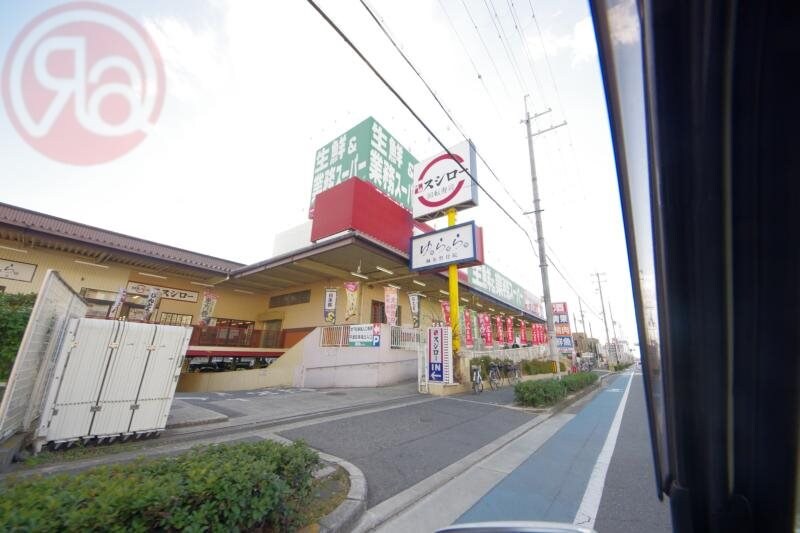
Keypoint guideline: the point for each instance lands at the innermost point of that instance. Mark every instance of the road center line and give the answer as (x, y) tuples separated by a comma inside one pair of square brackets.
[(587, 512)]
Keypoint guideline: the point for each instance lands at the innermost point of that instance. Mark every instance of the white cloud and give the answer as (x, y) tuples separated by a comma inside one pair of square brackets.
[(579, 44), (624, 23)]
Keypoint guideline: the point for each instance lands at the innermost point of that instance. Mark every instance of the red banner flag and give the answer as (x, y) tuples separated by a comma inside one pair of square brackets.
[(523, 335), (469, 339), (499, 320), (445, 311), (485, 322), (510, 330)]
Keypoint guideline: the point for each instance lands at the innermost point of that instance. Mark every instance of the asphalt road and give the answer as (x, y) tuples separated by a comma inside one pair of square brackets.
[(399, 447), (629, 502)]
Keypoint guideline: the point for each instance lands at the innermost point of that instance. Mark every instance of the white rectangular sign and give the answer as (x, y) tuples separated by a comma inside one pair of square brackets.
[(437, 249), (182, 295), (16, 270), (441, 183)]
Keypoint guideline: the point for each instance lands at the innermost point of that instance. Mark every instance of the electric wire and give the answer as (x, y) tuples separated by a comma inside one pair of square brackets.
[(501, 34), (408, 107), (486, 48), (388, 35), (428, 129), (526, 47), (469, 56)]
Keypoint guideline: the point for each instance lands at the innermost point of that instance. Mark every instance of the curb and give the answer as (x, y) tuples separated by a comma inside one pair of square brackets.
[(345, 516), (374, 517), (197, 422)]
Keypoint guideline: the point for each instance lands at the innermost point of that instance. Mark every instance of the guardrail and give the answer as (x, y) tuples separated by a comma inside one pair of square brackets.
[(403, 338), (515, 354), (334, 336)]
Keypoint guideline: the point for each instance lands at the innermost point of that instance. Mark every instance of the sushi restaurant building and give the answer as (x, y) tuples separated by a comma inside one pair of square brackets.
[(348, 266)]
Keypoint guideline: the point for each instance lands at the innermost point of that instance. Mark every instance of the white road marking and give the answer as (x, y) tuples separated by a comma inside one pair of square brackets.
[(191, 398), (587, 512)]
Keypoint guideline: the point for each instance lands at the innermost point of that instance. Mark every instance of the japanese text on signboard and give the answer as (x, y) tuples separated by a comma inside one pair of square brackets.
[(372, 154), (181, 295)]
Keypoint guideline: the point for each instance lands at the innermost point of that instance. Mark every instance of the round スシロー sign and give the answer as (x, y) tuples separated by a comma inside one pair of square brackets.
[(83, 83), (441, 180)]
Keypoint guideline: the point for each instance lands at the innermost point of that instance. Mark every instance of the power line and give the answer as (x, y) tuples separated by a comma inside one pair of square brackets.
[(425, 126), (411, 110), (528, 53), (438, 101), (466, 51), (474, 25), (503, 39), (455, 123)]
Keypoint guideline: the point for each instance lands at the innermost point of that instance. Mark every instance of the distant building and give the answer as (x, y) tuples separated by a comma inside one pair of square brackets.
[(585, 344)]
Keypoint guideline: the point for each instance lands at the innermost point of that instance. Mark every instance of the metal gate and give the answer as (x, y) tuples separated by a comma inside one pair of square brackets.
[(55, 304), (112, 379)]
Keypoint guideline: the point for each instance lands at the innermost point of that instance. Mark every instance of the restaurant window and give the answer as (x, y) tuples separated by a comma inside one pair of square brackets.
[(378, 313), (292, 298), (175, 319), (99, 303), (227, 332)]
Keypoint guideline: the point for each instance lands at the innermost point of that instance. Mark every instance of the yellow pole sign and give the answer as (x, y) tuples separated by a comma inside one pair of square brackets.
[(452, 271)]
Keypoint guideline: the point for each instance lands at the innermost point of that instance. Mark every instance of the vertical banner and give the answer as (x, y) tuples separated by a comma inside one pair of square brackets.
[(207, 306), (510, 330), (485, 322), (469, 340), (413, 303), (118, 301), (352, 289), (500, 336), (390, 305), (436, 354), (445, 311), (153, 301), (539, 334), (329, 307), (523, 334)]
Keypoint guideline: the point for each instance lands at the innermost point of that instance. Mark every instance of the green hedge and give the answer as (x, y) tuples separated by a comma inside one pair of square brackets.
[(621, 366), (216, 488), (550, 391), (527, 367), (15, 309)]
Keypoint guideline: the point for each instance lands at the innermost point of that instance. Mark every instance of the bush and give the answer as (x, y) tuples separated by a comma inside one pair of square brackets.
[(15, 309), (621, 366), (216, 488), (550, 391)]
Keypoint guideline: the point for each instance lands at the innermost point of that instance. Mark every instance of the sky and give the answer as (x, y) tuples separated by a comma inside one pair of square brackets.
[(254, 88)]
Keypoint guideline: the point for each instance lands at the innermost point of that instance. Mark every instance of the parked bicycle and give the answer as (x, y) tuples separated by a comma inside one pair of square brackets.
[(494, 375), (477, 381), (513, 375)]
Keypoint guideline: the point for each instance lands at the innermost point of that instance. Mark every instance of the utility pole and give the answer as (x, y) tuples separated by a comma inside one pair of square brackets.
[(548, 304), (614, 329), (603, 305), (583, 322)]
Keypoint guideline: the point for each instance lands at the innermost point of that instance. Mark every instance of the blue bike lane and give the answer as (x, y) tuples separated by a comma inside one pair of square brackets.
[(550, 484)]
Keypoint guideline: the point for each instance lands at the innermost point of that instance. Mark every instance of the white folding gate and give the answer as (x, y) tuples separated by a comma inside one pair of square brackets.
[(55, 304), (112, 379)]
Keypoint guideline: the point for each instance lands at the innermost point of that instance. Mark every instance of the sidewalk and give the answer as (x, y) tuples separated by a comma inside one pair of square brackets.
[(540, 475)]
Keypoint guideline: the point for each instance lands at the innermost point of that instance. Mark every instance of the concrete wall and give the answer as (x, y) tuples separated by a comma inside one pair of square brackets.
[(308, 365)]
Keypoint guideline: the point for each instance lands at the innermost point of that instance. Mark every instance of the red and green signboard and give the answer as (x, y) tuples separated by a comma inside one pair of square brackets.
[(367, 151)]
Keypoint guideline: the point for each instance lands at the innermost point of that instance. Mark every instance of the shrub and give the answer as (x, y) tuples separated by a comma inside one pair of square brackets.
[(216, 488), (15, 309), (621, 366), (550, 391)]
